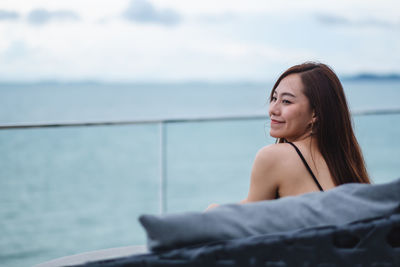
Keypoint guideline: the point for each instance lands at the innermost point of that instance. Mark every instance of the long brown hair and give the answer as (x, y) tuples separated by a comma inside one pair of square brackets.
[(333, 127)]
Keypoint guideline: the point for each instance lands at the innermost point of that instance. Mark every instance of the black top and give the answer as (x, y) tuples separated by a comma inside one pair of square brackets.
[(308, 167)]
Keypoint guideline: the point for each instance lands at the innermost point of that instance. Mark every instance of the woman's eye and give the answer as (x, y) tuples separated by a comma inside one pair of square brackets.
[(286, 101), (273, 98)]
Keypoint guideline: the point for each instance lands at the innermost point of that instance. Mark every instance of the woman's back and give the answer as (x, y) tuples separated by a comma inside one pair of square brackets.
[(295, 178), (279, 171)]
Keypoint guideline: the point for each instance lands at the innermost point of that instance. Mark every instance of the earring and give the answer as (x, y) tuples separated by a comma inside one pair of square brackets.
[(312, 127)]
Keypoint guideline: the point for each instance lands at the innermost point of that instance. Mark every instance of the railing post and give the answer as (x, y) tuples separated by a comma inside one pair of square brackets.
[(163, 167)]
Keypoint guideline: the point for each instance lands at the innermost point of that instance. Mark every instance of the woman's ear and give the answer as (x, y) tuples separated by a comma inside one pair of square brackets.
[(314, 117)]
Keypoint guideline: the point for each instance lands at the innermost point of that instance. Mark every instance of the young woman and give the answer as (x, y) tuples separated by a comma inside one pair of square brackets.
[(316, 149)]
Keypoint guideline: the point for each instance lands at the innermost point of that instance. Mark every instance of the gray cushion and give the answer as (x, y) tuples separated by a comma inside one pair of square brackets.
[(341, 205)]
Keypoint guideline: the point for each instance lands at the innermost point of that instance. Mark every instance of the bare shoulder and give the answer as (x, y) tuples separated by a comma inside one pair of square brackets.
[(275, 153), (266, 173), (276, 160)]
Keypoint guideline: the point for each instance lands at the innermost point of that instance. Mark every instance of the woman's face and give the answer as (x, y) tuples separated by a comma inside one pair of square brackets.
[(290, 110)]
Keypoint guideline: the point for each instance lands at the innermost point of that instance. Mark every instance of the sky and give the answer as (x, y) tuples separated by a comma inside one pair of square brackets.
[(186, 40)]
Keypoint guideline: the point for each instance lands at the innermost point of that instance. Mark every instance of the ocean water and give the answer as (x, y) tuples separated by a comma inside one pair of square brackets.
[(69, 190)]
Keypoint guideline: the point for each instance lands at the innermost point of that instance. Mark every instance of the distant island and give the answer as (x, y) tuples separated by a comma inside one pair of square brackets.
[(372, 76), (54, 82)]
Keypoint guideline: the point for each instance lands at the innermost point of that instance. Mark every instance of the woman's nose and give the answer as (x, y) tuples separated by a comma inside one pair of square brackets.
[(273, 108)]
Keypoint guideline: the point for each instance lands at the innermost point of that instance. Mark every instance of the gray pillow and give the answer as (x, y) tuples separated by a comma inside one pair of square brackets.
[(341, 205)]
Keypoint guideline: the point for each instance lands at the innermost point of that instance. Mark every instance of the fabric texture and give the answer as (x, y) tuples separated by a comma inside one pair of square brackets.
[(371, 242), (338, 206)]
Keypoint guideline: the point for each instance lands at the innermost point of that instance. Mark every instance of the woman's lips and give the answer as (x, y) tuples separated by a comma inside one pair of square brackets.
[(276, 122)]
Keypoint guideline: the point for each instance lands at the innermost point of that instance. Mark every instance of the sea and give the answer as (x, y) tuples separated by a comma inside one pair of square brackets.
[(69, 190)]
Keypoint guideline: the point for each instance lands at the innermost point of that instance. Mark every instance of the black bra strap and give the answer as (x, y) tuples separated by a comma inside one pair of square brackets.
[(308, 167)]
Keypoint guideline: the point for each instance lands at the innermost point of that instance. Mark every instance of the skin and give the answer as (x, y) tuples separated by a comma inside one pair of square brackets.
[(277, 167)]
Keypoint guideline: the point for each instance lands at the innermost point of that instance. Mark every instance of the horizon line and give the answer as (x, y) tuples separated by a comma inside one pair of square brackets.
[(345, 77)]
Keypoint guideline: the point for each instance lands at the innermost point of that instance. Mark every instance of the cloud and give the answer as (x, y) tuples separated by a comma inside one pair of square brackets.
[(42, 16), (142, 11), (217, 18), (8, 15), (332, 20), (16, 50)]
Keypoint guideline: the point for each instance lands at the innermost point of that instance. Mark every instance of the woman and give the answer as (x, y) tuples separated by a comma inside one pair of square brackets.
[(316, 149)]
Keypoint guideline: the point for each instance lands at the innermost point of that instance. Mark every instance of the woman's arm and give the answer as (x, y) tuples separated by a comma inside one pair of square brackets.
[(264, 181), (211, 206)]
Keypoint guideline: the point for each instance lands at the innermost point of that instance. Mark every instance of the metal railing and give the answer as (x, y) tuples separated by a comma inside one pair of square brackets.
[(163, 134), (7, 126)]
